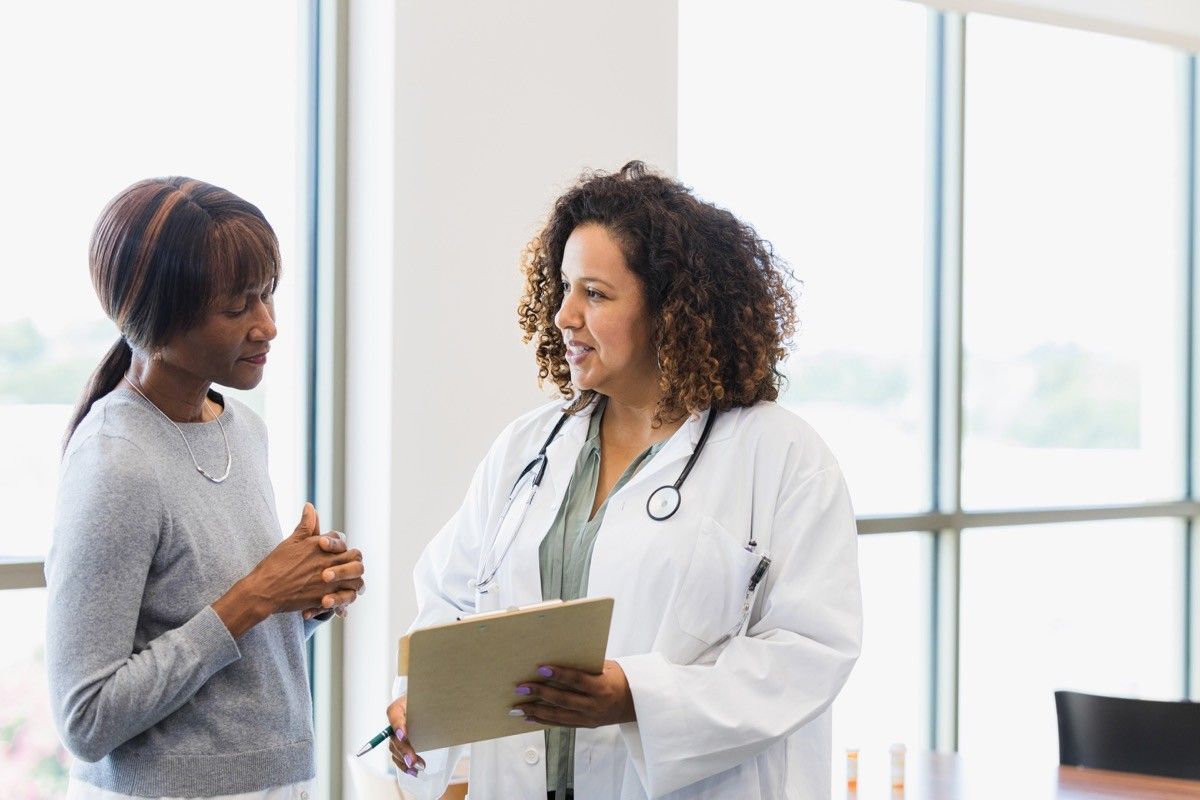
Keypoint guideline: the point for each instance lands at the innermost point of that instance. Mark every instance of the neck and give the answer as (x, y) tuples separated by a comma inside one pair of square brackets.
[(177, 394), (633, 421)]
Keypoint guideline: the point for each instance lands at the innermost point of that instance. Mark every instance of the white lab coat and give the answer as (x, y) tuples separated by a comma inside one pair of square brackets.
[(746, 718)]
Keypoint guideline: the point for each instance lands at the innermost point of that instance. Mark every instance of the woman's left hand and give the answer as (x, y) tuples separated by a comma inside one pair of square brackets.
[(335, 542), (577, 699)]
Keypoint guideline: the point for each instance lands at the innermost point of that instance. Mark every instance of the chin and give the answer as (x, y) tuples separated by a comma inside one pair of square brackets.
[(242, 383), (584, 382)]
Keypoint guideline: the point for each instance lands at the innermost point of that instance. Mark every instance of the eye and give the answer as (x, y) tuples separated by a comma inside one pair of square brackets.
[(566, 288), (593, 294), (236, 312)]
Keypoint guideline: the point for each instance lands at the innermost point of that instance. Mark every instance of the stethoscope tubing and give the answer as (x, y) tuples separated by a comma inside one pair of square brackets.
[(672, 491), (538, 469)]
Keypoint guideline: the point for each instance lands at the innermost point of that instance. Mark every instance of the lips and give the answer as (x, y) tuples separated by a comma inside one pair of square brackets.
[(258, 360), (576, 353)]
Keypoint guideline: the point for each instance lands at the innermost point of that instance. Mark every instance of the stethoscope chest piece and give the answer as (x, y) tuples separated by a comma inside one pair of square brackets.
[(663, 503)]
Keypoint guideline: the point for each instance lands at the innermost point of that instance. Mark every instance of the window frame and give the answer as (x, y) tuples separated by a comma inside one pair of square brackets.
[(945, 523)]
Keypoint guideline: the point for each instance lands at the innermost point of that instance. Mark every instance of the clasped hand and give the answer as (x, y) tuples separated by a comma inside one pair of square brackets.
[(310, 571)]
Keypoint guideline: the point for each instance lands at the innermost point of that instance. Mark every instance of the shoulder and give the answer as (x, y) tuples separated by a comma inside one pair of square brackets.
[(538, 419), (534, 424), (110, 444), (109, 477), (773, 431), (238, 413)]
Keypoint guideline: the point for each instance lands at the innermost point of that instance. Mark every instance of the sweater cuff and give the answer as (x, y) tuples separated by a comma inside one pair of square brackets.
[(215, 646)]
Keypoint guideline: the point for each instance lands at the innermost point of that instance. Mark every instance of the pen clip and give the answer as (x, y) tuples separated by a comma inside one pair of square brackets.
[(763, 564)]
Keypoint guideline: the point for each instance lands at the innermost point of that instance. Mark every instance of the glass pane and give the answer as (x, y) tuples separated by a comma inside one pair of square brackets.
[(1094, 607), (33, 765), (126, 91), (1073, 225), (886, 699), (807, 120)]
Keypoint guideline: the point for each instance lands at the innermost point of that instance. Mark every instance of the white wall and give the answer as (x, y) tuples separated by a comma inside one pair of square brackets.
[(465, 120)]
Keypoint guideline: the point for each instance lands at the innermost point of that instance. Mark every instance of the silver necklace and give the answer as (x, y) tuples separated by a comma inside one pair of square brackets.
[(200, 469)]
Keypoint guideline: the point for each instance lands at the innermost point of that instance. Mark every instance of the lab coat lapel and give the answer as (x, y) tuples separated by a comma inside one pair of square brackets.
[(668, 462), (525, 579), (563, 453)]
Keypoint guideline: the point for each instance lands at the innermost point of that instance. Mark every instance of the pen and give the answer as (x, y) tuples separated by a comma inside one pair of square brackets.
[(379, 738)]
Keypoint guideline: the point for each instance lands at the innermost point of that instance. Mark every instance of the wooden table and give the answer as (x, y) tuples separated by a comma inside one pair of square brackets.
[(953, 776)]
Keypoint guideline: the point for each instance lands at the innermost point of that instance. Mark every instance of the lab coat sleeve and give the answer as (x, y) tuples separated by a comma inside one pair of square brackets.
[(443, 574), (697, 721), (441, 578)]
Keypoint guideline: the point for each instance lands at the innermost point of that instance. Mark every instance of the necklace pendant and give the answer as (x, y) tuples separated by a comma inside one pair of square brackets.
[(195, 463)]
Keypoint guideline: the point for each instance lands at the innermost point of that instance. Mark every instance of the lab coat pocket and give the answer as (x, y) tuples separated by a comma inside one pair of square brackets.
[(714, 589)]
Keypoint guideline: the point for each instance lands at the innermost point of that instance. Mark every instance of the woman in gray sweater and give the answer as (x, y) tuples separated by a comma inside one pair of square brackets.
[(177, 618)]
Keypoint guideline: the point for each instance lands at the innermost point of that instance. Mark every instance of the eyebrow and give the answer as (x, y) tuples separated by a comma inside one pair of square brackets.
[(588, 278)]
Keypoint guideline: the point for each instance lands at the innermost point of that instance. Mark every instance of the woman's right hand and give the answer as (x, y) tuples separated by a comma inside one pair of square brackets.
[(403, 755), (289, 578)]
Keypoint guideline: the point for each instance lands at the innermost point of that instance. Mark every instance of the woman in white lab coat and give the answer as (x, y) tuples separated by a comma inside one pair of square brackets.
[(662, 320)]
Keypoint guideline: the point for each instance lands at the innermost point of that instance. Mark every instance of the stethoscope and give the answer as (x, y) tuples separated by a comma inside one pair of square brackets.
[(661, 505)]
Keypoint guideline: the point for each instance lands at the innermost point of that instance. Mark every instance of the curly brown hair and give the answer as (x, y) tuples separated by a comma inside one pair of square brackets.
[(720, 299)]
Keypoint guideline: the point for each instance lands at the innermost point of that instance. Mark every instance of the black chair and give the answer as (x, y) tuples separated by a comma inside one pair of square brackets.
[(1150, 737)]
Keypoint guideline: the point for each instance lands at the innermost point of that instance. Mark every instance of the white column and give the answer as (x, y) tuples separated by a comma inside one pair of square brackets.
[(466, 120)]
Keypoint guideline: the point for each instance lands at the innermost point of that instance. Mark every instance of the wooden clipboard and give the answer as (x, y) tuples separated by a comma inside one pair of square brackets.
[(462, 677)]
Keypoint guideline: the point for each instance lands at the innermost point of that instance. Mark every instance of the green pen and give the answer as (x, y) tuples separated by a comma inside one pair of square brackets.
[(379, 739)]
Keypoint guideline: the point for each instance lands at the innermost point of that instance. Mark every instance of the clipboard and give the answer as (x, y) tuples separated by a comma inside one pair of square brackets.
[(462, 676)]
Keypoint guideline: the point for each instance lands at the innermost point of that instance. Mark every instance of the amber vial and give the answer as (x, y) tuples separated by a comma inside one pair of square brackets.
[(897, 753), (851, 767)]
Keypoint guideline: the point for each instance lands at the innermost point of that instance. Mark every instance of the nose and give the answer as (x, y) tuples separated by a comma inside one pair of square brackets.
[(568, 315), (264, 329)]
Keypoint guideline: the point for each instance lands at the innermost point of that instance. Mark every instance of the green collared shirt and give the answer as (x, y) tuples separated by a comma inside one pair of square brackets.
[(566, 557)]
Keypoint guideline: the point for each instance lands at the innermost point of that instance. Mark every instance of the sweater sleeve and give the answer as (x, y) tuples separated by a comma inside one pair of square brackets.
[(104, 689)]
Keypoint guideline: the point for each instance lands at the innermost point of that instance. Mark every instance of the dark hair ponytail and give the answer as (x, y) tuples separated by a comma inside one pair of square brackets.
[(112, 368), (163, 251)]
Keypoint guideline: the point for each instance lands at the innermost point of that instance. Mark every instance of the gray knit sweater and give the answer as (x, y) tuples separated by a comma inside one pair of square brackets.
[(149, 689)]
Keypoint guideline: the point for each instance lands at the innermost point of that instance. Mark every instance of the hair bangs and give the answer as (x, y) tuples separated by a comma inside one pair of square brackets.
[(243, 256)]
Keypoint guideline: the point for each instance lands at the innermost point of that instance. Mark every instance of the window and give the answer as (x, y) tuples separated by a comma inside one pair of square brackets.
[(1090, 607), (831, 171), (1073, 235), (119, 94), (996, 256)]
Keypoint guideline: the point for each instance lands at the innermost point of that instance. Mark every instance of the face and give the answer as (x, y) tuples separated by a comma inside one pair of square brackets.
[(230, 346), (604, 320)]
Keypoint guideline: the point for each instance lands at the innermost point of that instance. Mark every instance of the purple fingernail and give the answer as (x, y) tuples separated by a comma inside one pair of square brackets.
[(545, 672), (399, 734), (412, 771), (523, 690), (407, 760)]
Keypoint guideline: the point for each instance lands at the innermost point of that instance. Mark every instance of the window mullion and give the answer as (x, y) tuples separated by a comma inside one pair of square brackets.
[(944, 248), (1191, 674)]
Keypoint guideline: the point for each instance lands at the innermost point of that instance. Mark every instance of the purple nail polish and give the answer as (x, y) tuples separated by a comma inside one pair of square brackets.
[(545, 672), (523, 690), (399, 734), (412, 771), (407, 760)]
